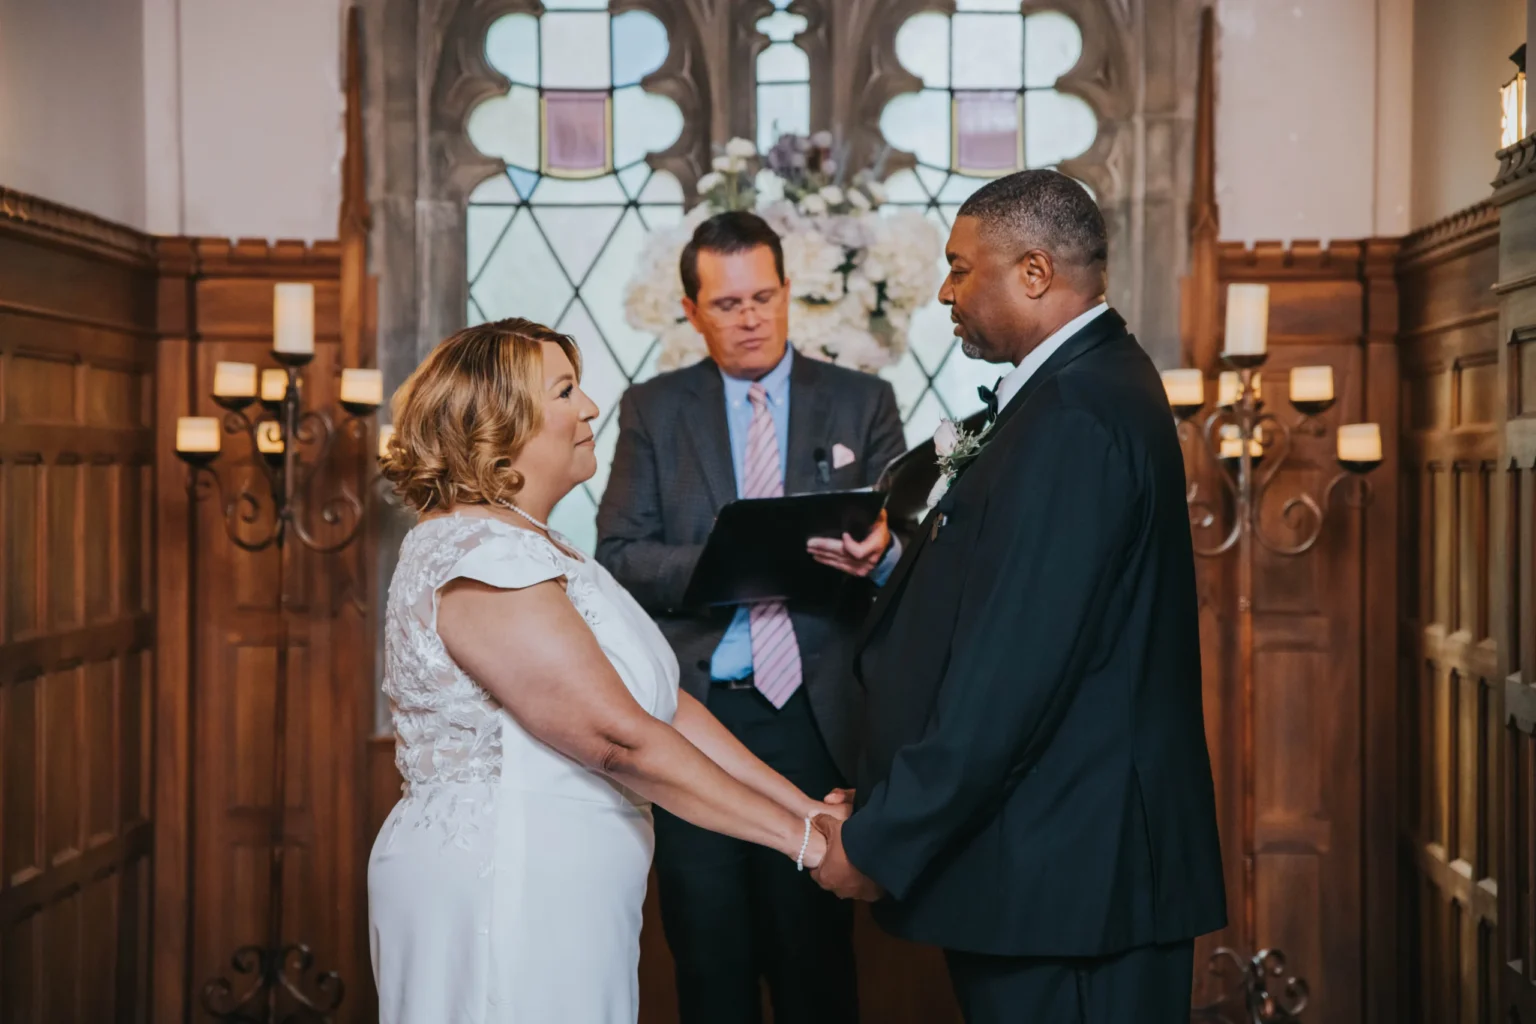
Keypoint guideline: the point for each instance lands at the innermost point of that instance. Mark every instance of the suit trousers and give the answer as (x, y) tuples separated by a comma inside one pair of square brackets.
[(1149, 985), (734, 912)]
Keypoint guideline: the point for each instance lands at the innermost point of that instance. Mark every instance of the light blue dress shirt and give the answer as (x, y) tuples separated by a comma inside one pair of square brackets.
[(733, 658)]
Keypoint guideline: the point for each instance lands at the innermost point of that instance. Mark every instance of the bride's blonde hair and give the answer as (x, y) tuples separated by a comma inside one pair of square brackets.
[(467, 411)]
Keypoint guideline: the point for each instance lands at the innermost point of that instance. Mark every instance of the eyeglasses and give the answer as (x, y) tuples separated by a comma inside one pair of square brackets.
[(763, 303)]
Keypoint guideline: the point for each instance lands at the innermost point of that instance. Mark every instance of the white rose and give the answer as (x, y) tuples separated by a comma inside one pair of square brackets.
[(814, 205), (945, 438), (770, 187), (710, 182), (833, 195), (740, 148), (859, 200), (822, 140), (727, 164)]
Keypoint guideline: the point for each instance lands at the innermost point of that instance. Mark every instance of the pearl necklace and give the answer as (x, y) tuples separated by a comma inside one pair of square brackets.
[(525, 515)]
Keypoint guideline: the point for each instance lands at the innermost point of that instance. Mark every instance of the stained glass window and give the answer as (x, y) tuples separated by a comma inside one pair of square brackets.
[(988, 106), (783, 79), (555, 237)]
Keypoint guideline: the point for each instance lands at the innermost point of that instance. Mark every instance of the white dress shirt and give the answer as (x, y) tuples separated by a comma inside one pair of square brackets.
[(1014, 382)]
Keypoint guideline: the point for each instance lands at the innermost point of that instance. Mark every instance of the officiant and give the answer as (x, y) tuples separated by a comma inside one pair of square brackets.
[(754, 420)]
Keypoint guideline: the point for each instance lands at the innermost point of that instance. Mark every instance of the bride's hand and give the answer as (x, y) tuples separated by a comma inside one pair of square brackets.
[(815, 850)]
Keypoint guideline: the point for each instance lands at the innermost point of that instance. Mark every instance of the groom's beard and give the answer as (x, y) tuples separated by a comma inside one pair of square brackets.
[(971, 350)]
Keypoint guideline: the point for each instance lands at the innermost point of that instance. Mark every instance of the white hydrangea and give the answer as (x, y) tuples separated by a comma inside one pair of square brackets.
[(741, 149), (813, 266), (833, 195), (813, 205), (681, 346), (710, 182)]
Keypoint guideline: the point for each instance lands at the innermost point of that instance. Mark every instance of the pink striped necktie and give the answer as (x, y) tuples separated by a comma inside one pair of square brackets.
[(775, 651)]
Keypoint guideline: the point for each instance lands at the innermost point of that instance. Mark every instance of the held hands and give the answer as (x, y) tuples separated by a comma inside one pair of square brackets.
[(854, 557), (833, 871)]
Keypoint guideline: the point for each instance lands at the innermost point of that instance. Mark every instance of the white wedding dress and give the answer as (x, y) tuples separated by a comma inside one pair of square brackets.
[(507, 883)]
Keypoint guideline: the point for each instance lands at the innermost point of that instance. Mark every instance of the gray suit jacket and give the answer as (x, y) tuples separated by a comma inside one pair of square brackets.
[(671, 476)]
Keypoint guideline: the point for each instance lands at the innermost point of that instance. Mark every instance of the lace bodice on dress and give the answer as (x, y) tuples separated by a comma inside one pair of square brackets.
[(447, 728)]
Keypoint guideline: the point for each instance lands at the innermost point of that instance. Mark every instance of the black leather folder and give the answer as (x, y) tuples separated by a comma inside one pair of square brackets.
[(756, 551)]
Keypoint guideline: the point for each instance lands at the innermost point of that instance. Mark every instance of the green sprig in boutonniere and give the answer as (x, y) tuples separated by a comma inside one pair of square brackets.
[(956, 448)]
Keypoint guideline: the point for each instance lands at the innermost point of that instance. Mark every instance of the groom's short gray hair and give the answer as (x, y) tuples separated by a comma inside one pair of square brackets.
[(1043, 210)]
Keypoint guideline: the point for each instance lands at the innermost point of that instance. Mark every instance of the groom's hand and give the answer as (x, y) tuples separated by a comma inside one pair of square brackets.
[(836, 874), (854, 557)]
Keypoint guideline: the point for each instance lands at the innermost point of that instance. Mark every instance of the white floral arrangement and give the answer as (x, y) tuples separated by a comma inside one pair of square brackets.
[(857, 275)]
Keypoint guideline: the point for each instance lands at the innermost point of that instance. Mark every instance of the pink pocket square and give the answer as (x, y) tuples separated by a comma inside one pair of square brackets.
[(842, 455)]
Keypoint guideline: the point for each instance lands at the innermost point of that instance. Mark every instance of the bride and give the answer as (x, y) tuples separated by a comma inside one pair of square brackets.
[(536, 710)]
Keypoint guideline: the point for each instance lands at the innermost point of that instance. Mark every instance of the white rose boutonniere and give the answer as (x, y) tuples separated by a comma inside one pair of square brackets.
[(956, 448)]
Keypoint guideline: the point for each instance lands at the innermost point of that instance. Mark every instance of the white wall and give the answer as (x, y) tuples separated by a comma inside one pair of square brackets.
[(199, 117), (1296, 119), (261, 125), (1461, 57), (71, 107)]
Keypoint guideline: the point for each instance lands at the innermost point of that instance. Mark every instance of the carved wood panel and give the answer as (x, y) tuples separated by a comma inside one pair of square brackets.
[(1322, 666), (220, 708), (1510, 546), (76, 625), (1450, 723)]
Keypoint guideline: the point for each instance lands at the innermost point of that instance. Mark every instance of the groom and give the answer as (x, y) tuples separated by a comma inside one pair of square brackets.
[(1034, 793)]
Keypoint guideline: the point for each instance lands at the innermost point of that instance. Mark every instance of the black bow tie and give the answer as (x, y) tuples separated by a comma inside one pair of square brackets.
[(989, 396)]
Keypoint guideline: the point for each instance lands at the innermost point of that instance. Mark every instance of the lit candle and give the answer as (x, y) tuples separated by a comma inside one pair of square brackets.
[(197, 434), (293, 318), (234, 380), (1247, 319), (1360, 442), (386, 434), (269, 438), (1312, 384), (1232, 448), (1230, 384), (362, 387), (1184, 387), (274, 384)]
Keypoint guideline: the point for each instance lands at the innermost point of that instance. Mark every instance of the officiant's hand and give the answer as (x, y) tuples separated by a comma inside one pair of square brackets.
[(854, 557), (835, 873)]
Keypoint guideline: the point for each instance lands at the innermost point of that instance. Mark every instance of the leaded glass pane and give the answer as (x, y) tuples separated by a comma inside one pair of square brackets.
[(918, 122), (1052, 46), (987, 132), (922, 47), (1011, 6), (988, 51), (639, 46), (512, 47), (782, 109), (1057, 127), (574, 50), (558, 248), (783, 62)]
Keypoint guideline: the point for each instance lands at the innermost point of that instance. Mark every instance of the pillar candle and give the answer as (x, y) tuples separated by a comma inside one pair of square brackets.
[(197, 434), (293, 318), (362, 387), (1247, 319), (1229, 384), (1312, 384), (274, 384), (1184, 387), (1360, 442), (269, 438), (234, 380)]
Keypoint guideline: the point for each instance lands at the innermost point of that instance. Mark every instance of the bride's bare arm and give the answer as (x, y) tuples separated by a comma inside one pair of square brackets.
[(536, 655), (704, 731)]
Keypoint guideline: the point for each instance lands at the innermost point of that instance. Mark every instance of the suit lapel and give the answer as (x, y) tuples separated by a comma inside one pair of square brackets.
[(810, 412), (1106, 326), (710, 434)]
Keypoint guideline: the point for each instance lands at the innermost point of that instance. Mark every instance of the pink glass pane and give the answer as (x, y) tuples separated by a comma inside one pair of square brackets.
[(576, 132), (987, 131)]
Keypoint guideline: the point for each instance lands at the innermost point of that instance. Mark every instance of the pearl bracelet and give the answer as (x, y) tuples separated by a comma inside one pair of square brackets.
[(805, 844)]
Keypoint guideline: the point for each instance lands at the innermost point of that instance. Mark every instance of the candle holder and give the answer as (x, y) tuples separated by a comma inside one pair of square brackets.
[(278, 981), (1246, 486)]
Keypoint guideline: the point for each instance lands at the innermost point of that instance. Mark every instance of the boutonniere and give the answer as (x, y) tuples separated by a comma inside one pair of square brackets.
[(956, 448)]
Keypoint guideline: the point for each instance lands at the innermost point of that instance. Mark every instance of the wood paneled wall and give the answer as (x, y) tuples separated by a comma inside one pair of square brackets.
[(77, 637), (215, 303), (1321, 763), (1450, 725)]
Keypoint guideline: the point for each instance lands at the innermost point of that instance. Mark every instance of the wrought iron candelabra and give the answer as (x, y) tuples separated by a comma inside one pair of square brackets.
[(1250, 444), (277, 981)]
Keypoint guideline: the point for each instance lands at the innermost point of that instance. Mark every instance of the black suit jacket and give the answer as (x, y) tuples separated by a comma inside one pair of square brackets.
[(671, 476), (1034, 779)]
